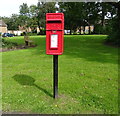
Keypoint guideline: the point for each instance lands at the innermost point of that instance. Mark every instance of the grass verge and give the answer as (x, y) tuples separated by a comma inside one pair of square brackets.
[(88, 78)]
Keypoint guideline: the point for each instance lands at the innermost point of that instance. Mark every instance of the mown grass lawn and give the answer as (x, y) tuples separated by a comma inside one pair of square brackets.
[(88, 78)]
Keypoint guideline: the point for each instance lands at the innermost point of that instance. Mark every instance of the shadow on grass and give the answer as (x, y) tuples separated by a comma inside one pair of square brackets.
[(28, 80), (90, 48)]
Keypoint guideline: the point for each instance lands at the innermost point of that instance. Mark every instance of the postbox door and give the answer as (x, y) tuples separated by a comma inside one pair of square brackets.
[(54, 42)]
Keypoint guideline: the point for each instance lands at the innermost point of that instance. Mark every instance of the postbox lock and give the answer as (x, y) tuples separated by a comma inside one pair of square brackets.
[(54, 31)]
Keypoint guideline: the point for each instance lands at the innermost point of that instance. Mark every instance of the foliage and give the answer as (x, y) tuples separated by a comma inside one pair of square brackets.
[(73, 18), (24, 16), (12, 22), (86, 14), (88, 78), (42, 9), (101, 15), (8, 44), (34, 16), (29, 34), (114, 35), (24, 9), (77, 14)]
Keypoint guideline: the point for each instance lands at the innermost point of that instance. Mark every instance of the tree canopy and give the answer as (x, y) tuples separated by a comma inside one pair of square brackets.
[(104, 16)]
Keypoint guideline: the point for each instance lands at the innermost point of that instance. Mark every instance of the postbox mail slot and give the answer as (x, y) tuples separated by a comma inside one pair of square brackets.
[(51, 21), (54, 19)]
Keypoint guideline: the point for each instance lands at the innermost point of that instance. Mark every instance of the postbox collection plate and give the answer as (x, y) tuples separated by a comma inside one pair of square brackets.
[(54, 41)]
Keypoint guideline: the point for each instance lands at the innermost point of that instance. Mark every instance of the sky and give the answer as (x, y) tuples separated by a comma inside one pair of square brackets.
[(9, 7)]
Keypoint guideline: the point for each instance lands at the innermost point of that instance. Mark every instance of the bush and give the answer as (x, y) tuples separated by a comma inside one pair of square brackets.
[(75, 33), (8, 44), (29, 34), (114, 33), (22, 34)]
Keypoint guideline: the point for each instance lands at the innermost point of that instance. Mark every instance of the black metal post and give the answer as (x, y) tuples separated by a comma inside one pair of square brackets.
[(55, 76)]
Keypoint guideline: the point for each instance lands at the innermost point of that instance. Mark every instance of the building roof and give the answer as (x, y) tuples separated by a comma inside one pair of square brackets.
[(2, 24)]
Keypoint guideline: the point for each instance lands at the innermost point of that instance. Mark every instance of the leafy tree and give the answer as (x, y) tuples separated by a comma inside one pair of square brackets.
[(42, 9), (90, 14), (114, 35), (73, 14), (33, 18), (24, 9), (12, 22), (24, 16), (105, 14)]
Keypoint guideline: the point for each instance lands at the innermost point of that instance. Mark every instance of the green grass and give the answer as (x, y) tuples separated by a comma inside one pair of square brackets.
[(88, 78)]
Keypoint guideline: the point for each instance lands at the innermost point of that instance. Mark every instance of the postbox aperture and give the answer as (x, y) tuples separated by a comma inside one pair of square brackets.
[(54, 33)]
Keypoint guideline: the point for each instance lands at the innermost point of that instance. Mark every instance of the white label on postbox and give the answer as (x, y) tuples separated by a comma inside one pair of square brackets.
[(54, 41)]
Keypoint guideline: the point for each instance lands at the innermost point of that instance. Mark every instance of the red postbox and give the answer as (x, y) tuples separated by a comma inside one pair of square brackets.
[(54, 33)]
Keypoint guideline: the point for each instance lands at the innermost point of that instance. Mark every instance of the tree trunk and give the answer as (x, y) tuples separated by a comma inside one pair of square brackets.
[(70, 32), (119, 17), (103, 16), (80, 30), (26, 43), (84, 29), (89, 30), (38, 25)]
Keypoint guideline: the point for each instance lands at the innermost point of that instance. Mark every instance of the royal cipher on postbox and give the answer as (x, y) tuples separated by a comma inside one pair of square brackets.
[(54, 33)]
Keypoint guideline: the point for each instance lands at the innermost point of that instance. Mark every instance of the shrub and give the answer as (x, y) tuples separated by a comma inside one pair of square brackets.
[(29, 34), (8, 44), (114, 33)]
